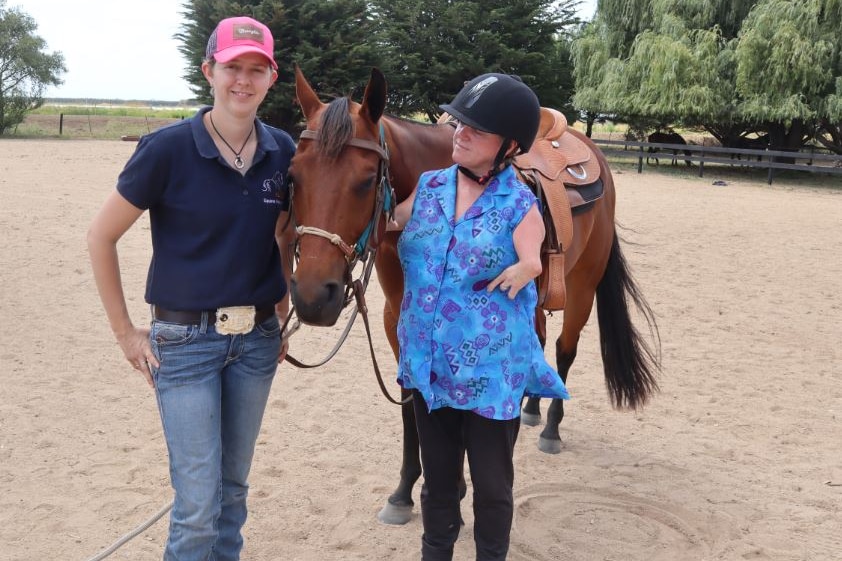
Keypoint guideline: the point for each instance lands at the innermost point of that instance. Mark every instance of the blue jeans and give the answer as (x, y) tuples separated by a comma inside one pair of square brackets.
[(212, 390)]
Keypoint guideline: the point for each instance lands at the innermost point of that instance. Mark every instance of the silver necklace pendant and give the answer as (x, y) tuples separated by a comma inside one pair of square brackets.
[(238, 160)]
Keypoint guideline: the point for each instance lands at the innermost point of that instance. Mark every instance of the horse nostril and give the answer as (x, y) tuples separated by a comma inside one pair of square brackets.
[(325, 294), (333, 291), (316, 303)]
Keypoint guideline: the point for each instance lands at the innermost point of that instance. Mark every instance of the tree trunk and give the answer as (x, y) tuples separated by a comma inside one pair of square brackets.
[(789, 139), (830, 135)]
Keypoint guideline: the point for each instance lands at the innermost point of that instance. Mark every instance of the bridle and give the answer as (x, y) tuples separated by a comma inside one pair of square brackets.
[(362, 251), (384, 206)]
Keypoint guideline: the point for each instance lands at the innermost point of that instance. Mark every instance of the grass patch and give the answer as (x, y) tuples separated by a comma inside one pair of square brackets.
[(103, 122), (102, 127), (116, 111)]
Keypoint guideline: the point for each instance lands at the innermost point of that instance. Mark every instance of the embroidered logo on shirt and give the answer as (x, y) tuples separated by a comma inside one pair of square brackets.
[(274, 186)]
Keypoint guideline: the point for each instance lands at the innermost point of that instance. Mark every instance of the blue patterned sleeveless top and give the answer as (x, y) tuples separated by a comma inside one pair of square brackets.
[(460, 345)]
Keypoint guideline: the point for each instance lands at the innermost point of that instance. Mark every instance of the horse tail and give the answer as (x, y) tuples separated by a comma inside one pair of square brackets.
[(630, 363)]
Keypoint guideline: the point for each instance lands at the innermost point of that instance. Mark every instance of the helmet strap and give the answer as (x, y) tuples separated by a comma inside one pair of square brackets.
[(500, 163), (481, 179)]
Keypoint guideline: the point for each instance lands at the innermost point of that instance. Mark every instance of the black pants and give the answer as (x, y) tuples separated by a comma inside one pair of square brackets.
[(444, 435)]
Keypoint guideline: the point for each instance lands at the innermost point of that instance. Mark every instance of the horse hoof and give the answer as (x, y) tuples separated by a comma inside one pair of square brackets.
[(530, 419), (549, 446), (395, 515)]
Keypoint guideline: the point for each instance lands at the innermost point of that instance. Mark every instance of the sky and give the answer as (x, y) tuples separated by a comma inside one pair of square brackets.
[(586, 9), (112, 51)]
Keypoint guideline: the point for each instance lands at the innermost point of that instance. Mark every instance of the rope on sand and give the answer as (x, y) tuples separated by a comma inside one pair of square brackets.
[(131, 535)]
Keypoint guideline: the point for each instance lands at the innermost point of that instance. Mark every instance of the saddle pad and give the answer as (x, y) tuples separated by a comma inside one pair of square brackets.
[(582, 198)]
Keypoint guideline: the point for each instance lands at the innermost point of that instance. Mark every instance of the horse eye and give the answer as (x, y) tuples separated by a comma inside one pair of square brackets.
[(367, 183)]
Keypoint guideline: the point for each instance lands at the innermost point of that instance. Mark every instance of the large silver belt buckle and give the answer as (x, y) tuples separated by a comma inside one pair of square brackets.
[(235, 320)]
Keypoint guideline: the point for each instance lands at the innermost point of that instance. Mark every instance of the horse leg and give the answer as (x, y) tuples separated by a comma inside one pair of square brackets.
[(550, 439), (398, 507), (581, 289), (531, 413)]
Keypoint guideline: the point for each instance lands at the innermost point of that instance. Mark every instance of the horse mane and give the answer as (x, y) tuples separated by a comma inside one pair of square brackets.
[(336, 128)]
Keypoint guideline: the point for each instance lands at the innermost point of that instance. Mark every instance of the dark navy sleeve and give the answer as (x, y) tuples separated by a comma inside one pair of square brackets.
[(144, 177)]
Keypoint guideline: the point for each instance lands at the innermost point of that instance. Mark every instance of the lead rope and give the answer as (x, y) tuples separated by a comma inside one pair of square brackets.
[(131, 535), (361, 305), (295, 362)]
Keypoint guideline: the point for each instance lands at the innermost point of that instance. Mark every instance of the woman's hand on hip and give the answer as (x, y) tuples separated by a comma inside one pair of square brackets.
[(138, 351)]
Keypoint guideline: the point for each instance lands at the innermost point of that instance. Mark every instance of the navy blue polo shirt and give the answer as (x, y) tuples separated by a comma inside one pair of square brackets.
[(213, 241)]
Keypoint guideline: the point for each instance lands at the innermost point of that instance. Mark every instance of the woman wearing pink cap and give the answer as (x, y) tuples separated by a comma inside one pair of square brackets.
[(216, 191)]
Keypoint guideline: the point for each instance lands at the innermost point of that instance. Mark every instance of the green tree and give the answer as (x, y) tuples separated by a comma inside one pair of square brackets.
[(25, 70), (729, 66), (433, 47), (660, 62), (329, 39), (789, 69)]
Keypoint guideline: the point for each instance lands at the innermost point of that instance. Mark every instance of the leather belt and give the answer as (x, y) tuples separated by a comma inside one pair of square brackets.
[(195, 318)]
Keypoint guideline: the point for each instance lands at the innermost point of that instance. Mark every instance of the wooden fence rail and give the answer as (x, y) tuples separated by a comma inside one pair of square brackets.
[(767, 159)]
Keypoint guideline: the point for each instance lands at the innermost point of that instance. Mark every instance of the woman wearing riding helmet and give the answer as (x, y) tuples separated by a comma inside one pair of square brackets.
[(470, 249)]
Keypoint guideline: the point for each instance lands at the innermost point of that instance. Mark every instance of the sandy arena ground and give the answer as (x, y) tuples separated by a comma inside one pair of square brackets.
[(739, 456)]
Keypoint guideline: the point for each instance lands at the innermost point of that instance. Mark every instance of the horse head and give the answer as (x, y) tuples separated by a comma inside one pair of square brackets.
[(338, 175)]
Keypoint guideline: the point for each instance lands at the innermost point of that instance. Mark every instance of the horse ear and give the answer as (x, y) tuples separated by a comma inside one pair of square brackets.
[(307, 98), (374, 100)]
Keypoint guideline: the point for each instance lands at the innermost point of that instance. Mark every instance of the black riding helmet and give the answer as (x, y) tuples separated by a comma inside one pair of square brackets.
[(501, 104)]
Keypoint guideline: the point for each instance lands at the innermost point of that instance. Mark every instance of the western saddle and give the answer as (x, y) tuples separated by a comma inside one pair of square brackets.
[(563, 172)]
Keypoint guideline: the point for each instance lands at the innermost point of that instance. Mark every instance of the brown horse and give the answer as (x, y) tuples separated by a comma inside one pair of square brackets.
[(347, 149)]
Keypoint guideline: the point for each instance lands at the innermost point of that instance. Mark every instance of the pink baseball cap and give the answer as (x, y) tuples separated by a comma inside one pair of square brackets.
[(237, 36)]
